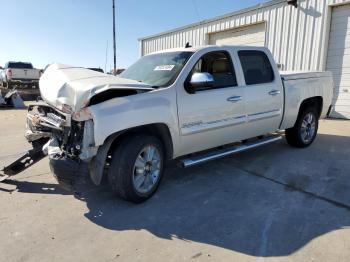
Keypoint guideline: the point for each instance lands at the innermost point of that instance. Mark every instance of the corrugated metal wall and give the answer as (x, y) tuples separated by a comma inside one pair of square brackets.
[(297, 37)]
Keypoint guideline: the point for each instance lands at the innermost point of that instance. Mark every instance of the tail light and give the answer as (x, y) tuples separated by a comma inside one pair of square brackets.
[(9, 73)]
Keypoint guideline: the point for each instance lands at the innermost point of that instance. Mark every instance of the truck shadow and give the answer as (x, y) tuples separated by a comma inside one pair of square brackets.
[(32, 187), (222, 205)]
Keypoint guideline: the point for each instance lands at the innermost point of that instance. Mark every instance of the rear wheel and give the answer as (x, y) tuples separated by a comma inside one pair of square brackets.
[(137, 167), (305, 129)]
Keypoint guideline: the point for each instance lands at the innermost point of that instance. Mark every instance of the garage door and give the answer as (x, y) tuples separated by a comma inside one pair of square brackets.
[(338, 60), (248, 35)]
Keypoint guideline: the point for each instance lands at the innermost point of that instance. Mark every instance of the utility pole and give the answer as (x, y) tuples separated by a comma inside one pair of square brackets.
[(114, 45), (106, 57)]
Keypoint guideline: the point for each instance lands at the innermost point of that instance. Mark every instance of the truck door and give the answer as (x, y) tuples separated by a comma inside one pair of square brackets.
[(263, 93), (211, 116)]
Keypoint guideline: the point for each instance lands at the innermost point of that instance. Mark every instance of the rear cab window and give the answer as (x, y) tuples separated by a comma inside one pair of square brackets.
[(20, 65), (256, 66)]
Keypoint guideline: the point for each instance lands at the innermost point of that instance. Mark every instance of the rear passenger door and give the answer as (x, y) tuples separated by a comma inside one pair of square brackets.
[(263, 92)]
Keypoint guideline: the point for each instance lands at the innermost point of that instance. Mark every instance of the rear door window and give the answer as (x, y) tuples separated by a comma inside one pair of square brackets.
[(256, 67)]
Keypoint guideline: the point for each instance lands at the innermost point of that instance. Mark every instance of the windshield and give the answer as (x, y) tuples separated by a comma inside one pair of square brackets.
[(158, 70)]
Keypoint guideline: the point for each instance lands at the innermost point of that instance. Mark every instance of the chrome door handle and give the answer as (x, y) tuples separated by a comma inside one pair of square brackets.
[(274, 92), (234, 99)]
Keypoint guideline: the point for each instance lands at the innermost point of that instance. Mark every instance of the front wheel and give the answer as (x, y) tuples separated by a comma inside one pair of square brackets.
[(305, 129), (137, 167)]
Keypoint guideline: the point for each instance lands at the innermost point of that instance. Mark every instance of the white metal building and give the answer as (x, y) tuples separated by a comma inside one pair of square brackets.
[(313, 36)]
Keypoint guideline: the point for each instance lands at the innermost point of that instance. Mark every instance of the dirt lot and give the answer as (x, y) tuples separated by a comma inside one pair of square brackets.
[(275, 204)]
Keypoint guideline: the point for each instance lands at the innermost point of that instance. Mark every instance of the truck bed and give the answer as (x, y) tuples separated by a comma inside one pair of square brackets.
[(288, 75), (299, 86)]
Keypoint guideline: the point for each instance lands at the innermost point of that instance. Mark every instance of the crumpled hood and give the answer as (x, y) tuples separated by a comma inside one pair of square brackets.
[(75, 86)]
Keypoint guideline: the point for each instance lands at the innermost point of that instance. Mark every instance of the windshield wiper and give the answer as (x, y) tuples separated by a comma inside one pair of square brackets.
[(155, 87)]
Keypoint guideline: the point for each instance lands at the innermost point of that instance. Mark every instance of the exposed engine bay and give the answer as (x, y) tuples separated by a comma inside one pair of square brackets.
[(55, 134), (67, 137)]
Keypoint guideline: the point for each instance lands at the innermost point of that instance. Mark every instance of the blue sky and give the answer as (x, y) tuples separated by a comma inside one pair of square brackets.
[(76, 32)]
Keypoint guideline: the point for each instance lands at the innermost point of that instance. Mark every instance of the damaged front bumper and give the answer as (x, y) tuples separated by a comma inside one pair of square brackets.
[(67, 171), (68, 143), (74, 139)]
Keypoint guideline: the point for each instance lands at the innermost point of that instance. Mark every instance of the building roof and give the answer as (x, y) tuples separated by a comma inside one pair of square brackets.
[(240, 12)]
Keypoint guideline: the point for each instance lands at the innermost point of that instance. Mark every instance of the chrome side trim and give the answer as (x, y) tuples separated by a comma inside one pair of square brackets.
[(197, 127), (226, 152), (265, 112), (263, 115)]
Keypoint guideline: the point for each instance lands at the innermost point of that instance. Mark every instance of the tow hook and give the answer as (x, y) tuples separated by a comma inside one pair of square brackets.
[(28, 159)]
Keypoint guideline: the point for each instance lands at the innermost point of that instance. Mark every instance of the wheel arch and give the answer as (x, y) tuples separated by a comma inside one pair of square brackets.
[(294, 135), (316, 102), (160, 130)]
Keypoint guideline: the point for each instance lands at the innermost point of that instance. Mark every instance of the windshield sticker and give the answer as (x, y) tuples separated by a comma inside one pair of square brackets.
[(164, 68)]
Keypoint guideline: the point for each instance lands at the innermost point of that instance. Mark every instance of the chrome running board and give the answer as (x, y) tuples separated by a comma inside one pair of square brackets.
[(189, 162)]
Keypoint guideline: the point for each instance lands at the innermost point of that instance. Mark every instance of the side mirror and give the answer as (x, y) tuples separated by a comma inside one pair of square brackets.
[(200, 80)]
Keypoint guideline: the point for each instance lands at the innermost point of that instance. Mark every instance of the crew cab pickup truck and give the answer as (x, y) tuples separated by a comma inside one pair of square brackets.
[(19, 74), (191, 104)]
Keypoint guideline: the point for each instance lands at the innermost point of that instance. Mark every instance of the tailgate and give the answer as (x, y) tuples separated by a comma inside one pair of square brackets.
[(25, 74)]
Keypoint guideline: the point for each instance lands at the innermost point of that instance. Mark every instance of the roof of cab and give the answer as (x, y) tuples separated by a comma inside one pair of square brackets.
[(206, 47)]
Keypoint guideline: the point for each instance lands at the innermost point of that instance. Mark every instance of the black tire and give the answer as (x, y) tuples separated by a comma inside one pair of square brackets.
[(122, 168), (294, 135)]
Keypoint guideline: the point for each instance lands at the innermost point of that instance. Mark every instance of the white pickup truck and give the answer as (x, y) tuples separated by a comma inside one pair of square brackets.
[(191, 104), (20, 74)]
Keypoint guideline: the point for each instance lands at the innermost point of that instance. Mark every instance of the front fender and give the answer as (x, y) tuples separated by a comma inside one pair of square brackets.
[(97, 164), (123, 113)]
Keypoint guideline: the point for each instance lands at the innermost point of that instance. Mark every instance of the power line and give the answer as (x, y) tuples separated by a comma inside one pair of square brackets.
[(196, 9), (106, 57)]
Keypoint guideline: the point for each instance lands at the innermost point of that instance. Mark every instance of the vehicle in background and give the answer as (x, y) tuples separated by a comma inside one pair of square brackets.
[(198, 103), (1, 69), (20, 74)]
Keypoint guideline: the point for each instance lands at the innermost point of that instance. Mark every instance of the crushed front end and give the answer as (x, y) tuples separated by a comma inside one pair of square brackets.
[(70, 143)]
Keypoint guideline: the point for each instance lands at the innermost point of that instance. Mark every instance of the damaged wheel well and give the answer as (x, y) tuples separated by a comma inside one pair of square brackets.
[(101, 161), (159, 130)]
